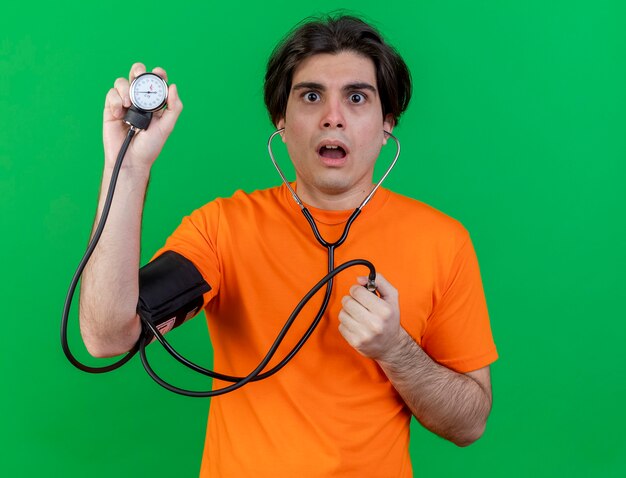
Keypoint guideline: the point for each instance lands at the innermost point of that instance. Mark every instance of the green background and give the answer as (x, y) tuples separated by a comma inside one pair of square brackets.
[(516, 128)]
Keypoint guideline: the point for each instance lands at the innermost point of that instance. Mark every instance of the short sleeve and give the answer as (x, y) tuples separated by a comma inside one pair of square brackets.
[(196, 240), (458, 333)]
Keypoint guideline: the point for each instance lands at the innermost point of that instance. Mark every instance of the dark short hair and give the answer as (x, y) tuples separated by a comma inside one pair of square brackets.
[(334, 35)]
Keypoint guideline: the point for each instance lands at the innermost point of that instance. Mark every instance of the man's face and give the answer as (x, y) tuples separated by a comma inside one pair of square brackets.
[(334, 128)]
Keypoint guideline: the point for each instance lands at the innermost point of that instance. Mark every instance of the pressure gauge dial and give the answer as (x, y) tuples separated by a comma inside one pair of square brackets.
[(148, 92)]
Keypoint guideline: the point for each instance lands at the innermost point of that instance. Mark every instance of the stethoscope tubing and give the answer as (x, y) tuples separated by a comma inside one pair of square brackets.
[(256, 374)]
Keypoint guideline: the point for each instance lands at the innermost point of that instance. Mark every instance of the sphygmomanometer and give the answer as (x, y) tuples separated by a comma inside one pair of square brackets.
[(171, 289)]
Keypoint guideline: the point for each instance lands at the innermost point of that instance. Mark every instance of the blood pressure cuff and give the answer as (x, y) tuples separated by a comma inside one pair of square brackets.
[(170, 291)]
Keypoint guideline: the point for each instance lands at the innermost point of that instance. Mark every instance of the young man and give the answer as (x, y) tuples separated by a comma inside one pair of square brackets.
[(342, 406)]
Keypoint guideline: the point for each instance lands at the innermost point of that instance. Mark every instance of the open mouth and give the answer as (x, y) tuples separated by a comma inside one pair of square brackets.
[(332, 152)]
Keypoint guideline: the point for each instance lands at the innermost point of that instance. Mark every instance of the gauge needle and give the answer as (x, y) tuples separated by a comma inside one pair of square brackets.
[(148, 92)]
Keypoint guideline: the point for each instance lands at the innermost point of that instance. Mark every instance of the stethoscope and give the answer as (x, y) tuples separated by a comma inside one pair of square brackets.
[(138, 117), (328, 280)]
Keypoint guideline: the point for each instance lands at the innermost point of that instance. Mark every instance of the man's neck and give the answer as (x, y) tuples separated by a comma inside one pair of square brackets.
[(347, 200)]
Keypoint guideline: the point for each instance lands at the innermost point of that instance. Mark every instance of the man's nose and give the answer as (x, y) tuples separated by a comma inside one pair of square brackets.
[(333, 116)]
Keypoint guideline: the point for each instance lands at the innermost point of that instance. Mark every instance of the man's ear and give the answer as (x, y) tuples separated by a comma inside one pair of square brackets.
[(280, 125), (388, 124)]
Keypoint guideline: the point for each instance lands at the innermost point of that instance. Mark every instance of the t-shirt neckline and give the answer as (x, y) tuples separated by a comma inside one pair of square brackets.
[(335, 217)]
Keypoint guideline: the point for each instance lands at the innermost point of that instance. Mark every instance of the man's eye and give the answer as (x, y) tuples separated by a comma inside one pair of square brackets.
[(311, 97), (357, 98)]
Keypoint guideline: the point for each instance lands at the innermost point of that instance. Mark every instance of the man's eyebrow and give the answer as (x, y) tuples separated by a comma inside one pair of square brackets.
[(360, 86), (308, 85)]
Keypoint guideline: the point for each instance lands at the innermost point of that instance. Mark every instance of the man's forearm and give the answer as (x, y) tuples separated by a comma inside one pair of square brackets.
[(109, 288), (450, 404)]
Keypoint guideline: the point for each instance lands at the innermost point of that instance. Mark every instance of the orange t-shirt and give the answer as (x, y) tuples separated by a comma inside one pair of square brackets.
[(330, 411)]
